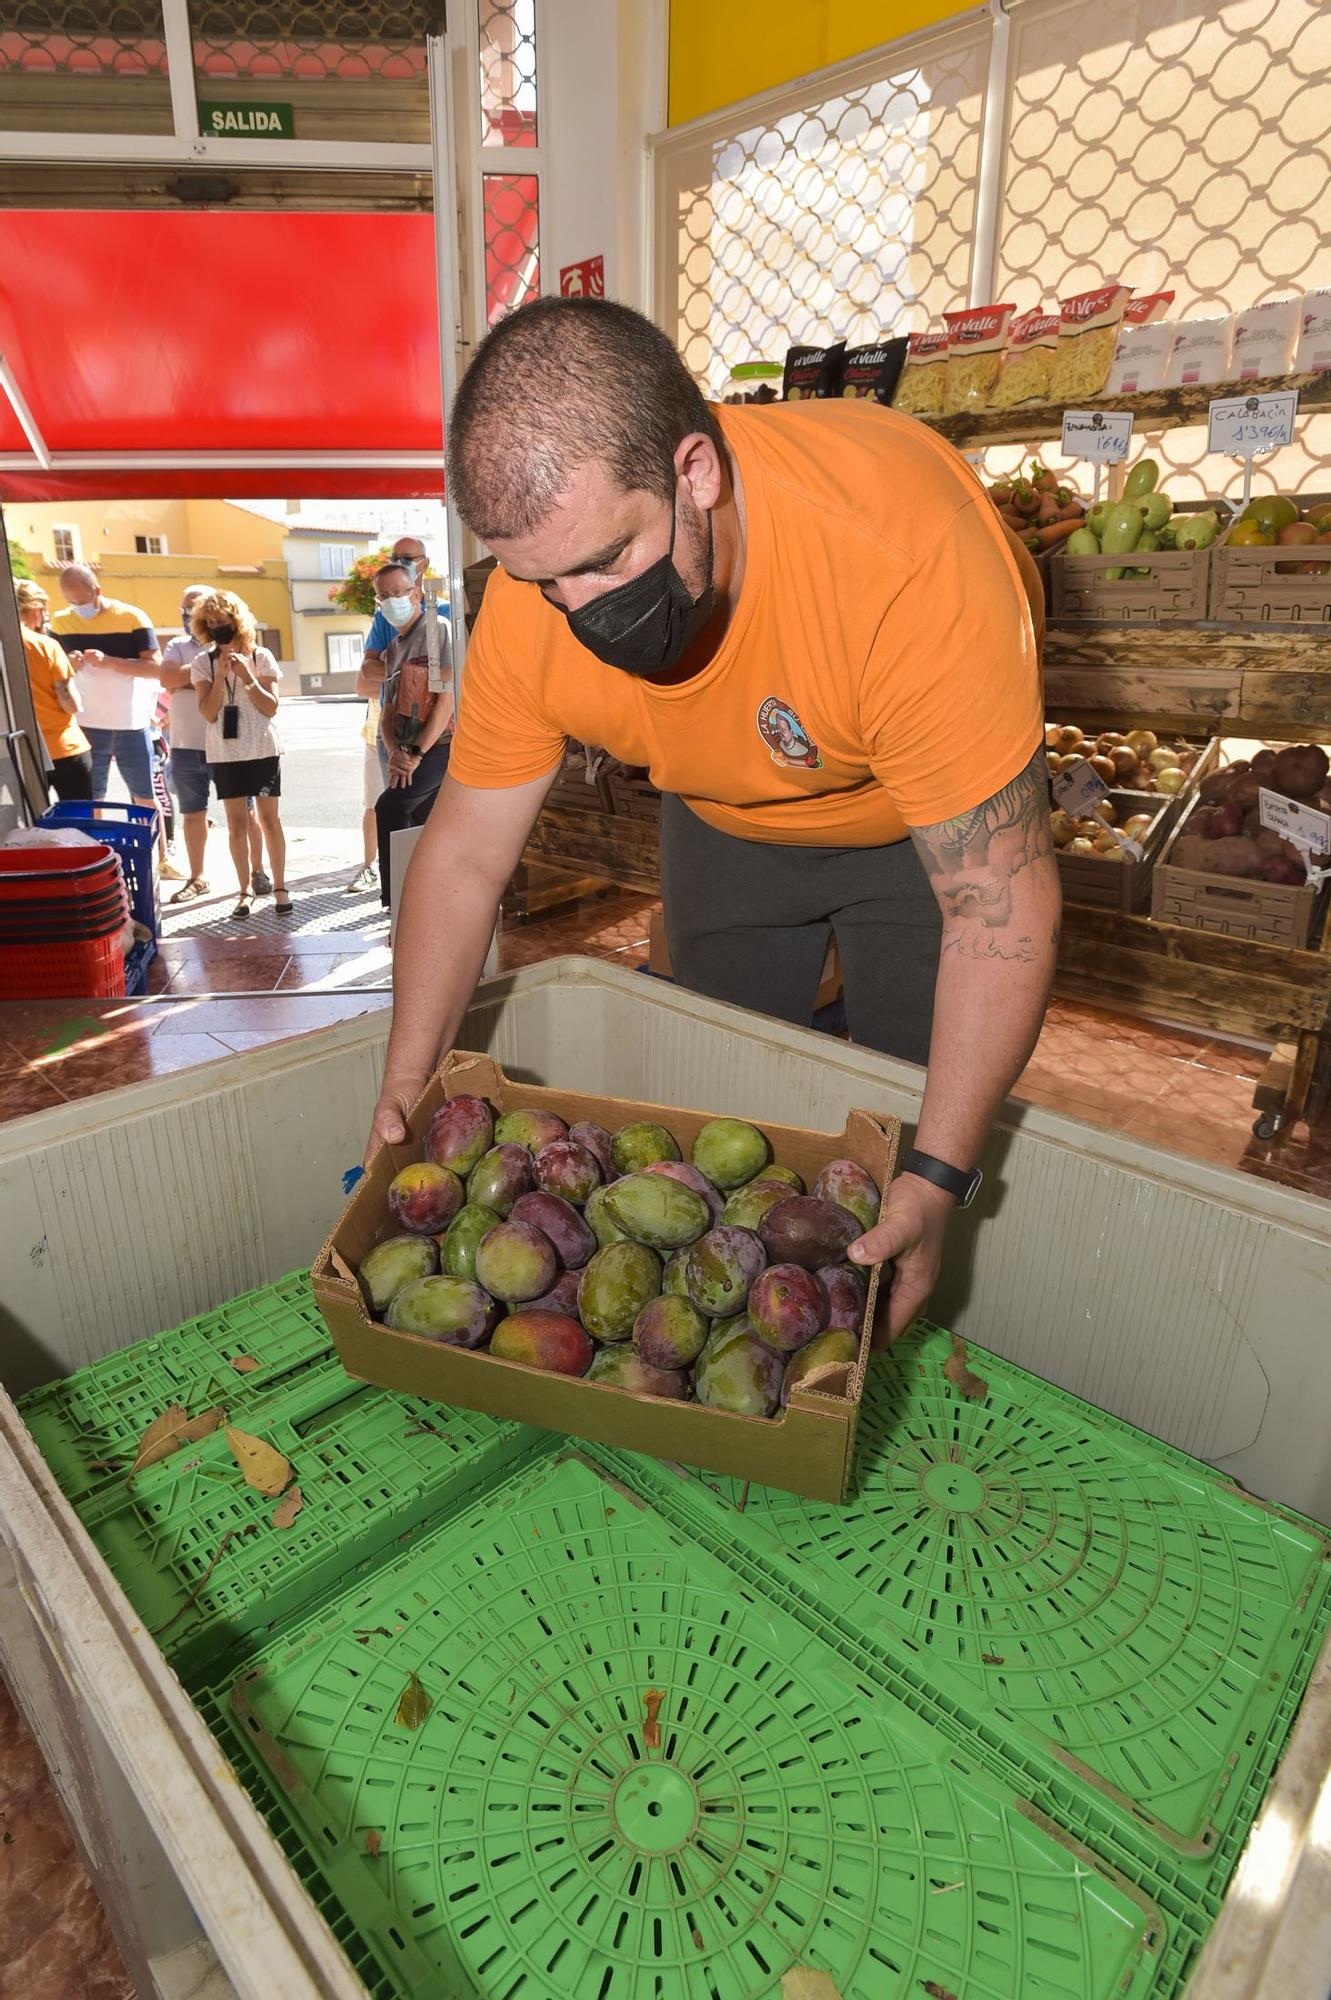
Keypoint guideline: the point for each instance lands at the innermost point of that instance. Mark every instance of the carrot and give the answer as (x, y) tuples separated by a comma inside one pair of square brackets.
[(1056, 532)]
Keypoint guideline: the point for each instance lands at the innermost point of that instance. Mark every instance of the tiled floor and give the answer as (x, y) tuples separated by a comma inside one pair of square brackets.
[(55, 1942), (215, 996)]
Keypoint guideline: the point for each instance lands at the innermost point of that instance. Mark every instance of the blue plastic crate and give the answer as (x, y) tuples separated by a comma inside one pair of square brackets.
[(132, 831)]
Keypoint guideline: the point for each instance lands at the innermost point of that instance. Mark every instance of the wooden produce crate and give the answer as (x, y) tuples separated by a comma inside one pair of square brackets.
[(1118, 885), (808, 1448), (1177, 587), (1265, 586), (1261, 912)]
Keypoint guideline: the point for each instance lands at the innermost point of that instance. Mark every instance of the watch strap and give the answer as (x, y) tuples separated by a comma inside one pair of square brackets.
[(956, 1181)]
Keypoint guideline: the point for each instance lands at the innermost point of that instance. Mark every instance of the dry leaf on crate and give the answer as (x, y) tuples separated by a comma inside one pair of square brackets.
[(414, 1706), (937, 1992), (651, 1728), (973, 1387), (288, 1507), (244, 1364), (372, 1843), (168, 1432), (803, 1983), (264, 1468)]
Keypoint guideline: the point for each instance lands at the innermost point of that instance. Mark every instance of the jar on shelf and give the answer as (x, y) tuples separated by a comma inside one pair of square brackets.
[(754, 382)]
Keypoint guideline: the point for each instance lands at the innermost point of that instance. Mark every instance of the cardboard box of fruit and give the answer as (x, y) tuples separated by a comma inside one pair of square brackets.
[(1273, 565), (656, 1279), (1224, 871)]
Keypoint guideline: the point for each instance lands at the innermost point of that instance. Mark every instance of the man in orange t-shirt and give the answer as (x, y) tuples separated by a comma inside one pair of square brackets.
[(55, 698), (812, 629)]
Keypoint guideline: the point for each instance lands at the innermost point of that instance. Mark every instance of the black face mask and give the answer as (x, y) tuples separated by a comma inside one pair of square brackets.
[(222, 635), (645, 625)]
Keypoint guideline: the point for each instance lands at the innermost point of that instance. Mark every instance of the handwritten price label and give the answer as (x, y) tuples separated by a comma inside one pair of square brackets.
[(1079, 790), (1101, 437), (1246, 426), (1303, 825)]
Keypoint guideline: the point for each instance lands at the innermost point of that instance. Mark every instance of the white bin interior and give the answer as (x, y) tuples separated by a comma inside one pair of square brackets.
[(1193, 1301)]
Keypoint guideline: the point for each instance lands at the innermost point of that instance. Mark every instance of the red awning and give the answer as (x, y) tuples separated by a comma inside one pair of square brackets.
[(246, 333)]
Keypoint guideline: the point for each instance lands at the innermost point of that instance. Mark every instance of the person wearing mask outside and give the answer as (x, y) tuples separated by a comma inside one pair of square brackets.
[(416, 722), (113, 649), (236, 681), (55, 698), (370, 683), (189, 759), (809, 624)]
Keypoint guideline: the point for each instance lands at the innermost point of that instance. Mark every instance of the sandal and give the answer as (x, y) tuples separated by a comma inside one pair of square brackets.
[(283, 905), (242, 908), (192, 891)]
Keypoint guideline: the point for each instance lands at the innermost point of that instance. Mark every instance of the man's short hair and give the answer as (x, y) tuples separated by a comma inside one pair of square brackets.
[(559, 384), (391, 568), (80, 570)]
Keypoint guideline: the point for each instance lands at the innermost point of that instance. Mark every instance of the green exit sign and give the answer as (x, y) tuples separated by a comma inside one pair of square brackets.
[(246, 121)]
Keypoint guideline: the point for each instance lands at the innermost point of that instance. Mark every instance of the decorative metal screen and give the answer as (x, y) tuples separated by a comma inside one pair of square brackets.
[(355, 71), (510, 180), (510, 204), (83, 67), (508, 72), (839, 216), (1172, 144)]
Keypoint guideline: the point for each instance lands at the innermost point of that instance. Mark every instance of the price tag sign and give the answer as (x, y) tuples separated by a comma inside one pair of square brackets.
[(1303, 826), (1101, 437), (1246, 426), (1078, 789)]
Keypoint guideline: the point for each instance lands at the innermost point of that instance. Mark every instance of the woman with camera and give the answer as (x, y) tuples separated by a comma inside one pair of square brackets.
[(236, 680)]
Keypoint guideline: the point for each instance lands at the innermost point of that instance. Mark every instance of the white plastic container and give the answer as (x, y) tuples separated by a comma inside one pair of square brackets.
[(1191, 1300)]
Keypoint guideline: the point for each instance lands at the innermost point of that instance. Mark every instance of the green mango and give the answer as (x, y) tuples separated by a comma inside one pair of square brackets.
[(1122, 530), (1142, 479), (473, 1221), (652, 1209)]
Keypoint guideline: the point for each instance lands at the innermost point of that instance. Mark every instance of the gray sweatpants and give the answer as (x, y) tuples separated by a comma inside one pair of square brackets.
[(749, 922)]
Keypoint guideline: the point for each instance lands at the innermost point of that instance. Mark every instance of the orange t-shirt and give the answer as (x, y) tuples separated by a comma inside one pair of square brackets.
[(880, 670), (49, 668)]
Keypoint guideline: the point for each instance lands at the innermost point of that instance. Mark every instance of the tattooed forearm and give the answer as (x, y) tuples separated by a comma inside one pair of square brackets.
[(975, 862), (966, 944)]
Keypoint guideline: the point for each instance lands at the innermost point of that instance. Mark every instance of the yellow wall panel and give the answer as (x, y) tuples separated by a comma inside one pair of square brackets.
[(720, 54)]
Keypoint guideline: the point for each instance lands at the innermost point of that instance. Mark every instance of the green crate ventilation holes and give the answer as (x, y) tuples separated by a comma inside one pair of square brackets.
[(997, 1728)]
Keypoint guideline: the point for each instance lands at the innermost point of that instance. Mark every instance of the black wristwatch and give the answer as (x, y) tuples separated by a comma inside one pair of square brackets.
[(964, 1186)]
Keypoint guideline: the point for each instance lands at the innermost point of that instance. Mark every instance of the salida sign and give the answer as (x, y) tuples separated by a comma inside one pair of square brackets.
[(247, 121), (584, 280)]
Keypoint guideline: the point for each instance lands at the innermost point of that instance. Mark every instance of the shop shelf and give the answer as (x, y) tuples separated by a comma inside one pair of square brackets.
[(88, 1425), (195, 1548), (1116, 1617), (529, 1839)]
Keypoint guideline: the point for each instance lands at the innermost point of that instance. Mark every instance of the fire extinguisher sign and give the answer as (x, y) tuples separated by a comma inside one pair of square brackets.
[(583, 281)]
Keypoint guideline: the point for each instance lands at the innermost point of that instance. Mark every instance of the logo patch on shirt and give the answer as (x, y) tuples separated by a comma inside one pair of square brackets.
[(786, 737)]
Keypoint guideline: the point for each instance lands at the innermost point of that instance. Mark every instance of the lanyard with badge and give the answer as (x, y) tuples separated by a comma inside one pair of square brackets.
[(230, 712)]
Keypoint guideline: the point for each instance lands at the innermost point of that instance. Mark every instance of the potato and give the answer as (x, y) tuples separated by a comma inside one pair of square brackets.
[(1299, 771), (1234, 855), (1190, 850), (1214, 790)]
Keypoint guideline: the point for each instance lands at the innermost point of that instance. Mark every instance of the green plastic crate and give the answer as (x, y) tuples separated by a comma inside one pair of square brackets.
[(534, 1846), (1075, 1595), (88, 1425), (195, 1549)]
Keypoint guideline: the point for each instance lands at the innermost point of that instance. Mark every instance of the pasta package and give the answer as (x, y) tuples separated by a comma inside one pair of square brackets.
[(870, 374), (1200, 352), (923, 386), (975, 342), (1088, 327), (1314, 352), (1264, 338), (1141, 357), (812, 371), (1028, 365), (1146, 308)]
